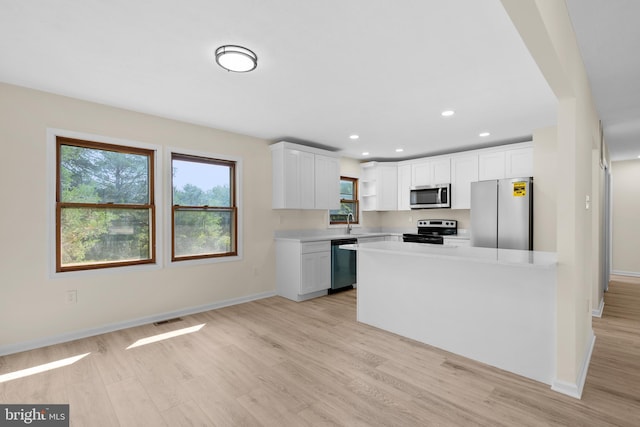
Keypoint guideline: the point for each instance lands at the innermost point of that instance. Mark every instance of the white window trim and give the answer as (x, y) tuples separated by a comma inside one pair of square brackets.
[(168, 196), (52, 134)]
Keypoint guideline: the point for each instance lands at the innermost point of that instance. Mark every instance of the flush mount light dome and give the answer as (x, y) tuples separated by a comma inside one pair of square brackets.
[(236, 58)]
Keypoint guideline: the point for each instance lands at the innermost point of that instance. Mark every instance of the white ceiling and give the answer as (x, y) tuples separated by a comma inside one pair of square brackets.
[(327, 69), (608, 34)]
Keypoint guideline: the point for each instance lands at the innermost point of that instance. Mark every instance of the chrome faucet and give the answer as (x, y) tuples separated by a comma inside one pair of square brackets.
[(348, 223)]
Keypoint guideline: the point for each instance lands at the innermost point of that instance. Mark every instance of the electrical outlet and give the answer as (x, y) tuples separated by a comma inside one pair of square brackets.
[(72, 296)]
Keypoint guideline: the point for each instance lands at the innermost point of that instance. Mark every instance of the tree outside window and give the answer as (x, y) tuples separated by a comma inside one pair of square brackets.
[(348, 203), (204, 212), (105, 213)]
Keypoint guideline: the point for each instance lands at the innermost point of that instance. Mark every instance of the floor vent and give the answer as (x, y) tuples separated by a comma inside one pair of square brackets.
[(164, 322)]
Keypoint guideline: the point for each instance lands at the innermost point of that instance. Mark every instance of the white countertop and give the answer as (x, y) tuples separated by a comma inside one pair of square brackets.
[(536, 259), (303, 238)]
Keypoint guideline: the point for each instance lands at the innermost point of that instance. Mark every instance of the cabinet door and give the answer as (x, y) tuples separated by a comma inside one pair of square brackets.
[(441, 171), (387, 188), (519, 163), (307, 180), (290, 179), (464, 171), (421, 173), (491, 165), (315, 272), (404, 186), (327, 185)]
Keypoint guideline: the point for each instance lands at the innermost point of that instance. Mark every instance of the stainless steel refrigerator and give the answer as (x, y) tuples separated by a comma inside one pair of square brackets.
[(502, 213)]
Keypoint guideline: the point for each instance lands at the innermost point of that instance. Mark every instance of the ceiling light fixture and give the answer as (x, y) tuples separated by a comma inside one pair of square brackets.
[(448, 113), (366, 153), (236, 58), (354, 136), (399, 150), (483, 134)]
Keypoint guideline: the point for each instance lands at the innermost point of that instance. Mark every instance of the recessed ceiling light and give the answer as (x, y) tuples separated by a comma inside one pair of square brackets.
[(399, 150), (366, 153), (236, 58), (448, 113), (354, 136), (483, 134)]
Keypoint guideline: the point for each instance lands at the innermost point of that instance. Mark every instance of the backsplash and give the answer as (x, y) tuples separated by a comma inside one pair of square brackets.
[(409, 219)]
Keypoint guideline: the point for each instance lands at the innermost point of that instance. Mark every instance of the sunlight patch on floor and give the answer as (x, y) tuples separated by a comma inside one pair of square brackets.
[(41, 368), (165, 336)]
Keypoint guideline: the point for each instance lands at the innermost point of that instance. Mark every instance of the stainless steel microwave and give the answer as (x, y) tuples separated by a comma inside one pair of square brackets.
[(430, 196)]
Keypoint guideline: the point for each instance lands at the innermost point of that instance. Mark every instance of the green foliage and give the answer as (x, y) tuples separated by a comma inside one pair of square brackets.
[(90, 235), (200, 232), (191, 195)]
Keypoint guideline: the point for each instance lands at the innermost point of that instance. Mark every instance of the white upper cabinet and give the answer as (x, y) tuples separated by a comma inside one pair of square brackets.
[(388, 187), (304, 177), (307, 174), (441, 170), (404, 187), (519, 162), (506, 162), (327, 183), (430, 171), (464, 171), (491, 165), (421, 173)]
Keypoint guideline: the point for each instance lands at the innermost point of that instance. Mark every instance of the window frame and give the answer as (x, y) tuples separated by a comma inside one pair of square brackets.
[(168, 195), (233, 208), (91, 142), (355, 200)]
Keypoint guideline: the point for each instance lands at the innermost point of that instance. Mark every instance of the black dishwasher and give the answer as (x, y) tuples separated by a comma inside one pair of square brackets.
[(343, 265)]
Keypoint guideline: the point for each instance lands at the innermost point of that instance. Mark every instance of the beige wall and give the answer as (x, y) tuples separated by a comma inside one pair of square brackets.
[(545, 188), (32, 304), (547, 32), (625, 215)]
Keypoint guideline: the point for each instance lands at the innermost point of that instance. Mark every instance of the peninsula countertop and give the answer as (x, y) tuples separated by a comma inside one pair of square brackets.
[(512, 257)]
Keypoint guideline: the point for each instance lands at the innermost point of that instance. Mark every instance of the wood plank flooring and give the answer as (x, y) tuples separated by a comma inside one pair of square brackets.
[(274, 362)]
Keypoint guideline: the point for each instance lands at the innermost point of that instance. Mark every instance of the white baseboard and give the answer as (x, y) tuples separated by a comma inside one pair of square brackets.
[(597, 312), (575, 389), (70, 336), (626, 273)]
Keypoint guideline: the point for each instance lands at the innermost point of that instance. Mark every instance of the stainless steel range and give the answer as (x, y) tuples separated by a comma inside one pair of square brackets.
[(432, 231)]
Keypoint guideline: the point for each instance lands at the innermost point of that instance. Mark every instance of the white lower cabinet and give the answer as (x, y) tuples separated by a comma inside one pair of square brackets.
[(303, 270)]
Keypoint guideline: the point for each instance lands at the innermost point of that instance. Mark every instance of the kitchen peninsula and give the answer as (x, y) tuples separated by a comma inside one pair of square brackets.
[(496, 306)]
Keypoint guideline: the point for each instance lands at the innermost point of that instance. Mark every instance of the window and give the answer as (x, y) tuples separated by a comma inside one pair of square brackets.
[(204, 209), (348, 202), (105, 213)]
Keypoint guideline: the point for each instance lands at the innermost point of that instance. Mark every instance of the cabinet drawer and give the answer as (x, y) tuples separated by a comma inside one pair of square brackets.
[(311, 247)]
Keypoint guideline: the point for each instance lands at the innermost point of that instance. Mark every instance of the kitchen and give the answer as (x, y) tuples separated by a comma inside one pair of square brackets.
[(40, 314), (306, 265)]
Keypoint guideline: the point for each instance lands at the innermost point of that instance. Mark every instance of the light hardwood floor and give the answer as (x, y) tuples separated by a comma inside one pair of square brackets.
[(274, 362)]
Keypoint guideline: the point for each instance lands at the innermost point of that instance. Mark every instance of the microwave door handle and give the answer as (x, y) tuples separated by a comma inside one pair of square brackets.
[(439, 195)]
